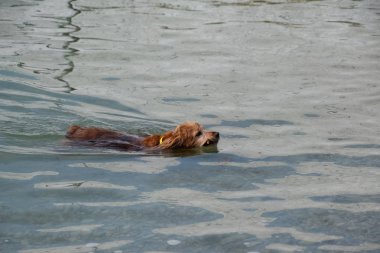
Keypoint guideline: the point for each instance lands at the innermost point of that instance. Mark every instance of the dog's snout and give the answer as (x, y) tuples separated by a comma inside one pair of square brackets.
[(216, 134)]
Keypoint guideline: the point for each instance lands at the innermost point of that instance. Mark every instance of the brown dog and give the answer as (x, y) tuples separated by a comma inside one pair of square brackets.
[(186, 135)]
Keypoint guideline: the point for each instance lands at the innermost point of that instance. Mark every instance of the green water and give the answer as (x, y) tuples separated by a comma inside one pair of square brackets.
[(292, 87)]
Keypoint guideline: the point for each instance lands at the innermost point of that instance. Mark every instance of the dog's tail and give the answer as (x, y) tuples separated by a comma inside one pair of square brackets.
[(72, 129)]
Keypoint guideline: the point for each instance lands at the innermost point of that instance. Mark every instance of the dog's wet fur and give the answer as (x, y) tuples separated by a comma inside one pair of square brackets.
[(185, 136)]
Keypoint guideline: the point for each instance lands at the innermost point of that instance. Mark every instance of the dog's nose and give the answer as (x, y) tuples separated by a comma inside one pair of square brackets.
[(216, 134)]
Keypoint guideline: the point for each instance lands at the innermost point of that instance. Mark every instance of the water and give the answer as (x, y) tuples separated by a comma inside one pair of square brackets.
[(292, 86)]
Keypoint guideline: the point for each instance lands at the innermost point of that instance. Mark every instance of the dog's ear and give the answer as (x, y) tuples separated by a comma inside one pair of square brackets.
[(179, 138), (170, 140)]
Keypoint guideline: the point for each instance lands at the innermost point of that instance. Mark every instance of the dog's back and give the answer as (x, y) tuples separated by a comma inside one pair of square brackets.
[(91, 133), (100, 137)]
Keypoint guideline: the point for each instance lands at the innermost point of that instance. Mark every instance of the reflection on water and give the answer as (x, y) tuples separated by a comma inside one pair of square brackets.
[(292, 86), (67, 46)]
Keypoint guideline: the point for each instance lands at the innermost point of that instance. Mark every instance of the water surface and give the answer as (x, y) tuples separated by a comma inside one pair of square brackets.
[(291, 85)]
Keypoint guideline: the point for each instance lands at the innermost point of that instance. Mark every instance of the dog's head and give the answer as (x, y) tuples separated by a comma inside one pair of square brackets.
[(188, 135)]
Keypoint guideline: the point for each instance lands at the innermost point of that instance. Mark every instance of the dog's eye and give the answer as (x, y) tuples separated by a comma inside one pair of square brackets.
[(199, 133)]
